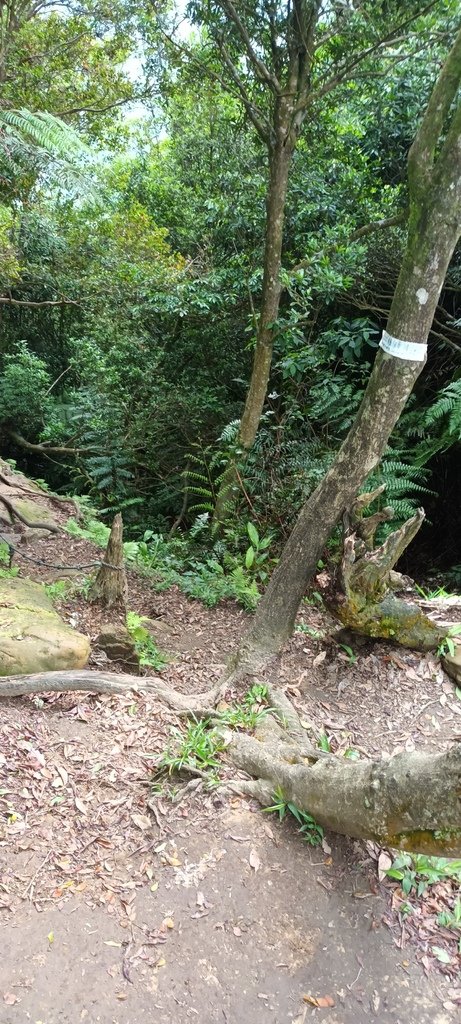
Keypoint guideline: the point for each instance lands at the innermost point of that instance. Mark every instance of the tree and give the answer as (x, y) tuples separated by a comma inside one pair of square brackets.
[(434, 226), (281, 60)]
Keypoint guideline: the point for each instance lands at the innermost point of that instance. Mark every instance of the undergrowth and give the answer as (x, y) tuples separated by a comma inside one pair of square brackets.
[(148, 653), (417, 874), (197, 745), (310, 830)]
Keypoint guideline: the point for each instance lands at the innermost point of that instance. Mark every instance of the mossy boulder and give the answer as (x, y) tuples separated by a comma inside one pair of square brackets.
[(33, 637)]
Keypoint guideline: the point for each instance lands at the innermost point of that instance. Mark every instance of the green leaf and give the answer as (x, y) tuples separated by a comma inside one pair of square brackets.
[(249, 558), (253, 535)]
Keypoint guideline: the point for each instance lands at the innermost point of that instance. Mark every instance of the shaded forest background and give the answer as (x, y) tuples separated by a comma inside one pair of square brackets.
[(131, 269)]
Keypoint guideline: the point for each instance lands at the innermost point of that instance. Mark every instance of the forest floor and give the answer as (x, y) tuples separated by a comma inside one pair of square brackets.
[(119, 907)]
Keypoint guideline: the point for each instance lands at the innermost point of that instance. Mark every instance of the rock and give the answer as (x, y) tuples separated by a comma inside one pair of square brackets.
[(452, 664), (118, 644), (33, 637), (34, 513)]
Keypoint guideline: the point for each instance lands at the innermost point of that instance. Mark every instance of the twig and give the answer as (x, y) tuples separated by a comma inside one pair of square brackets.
[(34, 877)]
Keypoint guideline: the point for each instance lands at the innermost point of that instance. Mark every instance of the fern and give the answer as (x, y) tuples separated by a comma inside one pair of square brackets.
[(443, 417), (404, 484), (31, 139)]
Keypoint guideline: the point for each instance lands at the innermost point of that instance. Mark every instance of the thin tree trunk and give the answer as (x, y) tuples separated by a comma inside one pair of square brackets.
[(434, 229), (279, 167)]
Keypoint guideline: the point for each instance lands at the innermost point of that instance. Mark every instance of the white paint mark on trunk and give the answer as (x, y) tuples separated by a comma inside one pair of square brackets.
[(422, 296)]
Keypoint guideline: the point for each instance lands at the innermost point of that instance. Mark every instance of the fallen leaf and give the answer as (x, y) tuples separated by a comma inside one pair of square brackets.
[(384, 863), (321, 1001), (10, 999), (442, 955), (142, 821), (80, 805), (121, 996), (161, 962), (62, 772), (320, 657), (168, 922), (112, 942), (254, 860)]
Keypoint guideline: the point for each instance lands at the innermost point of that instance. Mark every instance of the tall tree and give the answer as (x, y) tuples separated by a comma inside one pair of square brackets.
[(281, 59), (434, 227)]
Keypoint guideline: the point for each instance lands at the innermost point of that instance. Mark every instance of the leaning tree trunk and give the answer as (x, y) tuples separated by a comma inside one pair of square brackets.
[(110, 587), (433, 231), (409, 802)]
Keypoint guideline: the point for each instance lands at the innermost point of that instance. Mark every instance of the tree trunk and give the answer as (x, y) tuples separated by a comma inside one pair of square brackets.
[(366, 601), (279, 167), (434, 229), (409, 802), (110, 586)]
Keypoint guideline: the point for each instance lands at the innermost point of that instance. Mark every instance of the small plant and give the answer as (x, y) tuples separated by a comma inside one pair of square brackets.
[(316, 634), (257, 554), (323, 742), (11, 571), (416, 872), (57, 590), (447, 645), (148, 653), (195, 750), (351, 656), (249, 712), (315, 600), (432, 595), (452, 918), (310, 830)]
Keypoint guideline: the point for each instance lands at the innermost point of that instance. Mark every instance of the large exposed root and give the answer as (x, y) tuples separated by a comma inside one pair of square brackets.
[(105, 682), (411, 801)]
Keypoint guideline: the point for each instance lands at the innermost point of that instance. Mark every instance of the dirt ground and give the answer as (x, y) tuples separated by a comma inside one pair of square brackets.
[(119, 906)]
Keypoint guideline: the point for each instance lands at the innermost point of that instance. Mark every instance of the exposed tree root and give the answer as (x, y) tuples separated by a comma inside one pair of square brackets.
[(51, 527), (411, 801), (106, 682)]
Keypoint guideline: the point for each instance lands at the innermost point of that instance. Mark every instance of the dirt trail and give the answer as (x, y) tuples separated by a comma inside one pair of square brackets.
[(238, 944), (117, 910)]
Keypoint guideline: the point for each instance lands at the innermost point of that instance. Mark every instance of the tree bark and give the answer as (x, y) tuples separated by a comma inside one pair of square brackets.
[(366, 601), (110, 586), (433, 231), (279, 163), (409, 802), (104, 682)]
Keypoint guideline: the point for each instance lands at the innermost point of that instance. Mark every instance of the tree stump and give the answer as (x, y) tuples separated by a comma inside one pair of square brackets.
[(367, 602), (110, 587)]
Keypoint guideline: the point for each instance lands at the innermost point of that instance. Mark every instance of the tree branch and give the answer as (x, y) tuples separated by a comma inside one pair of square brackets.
[(366, 229), (259, 65), (261, 123), (9, 301), (343, 73)]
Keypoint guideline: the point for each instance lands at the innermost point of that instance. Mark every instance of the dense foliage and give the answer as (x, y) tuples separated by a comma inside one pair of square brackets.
[(133, 262)]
